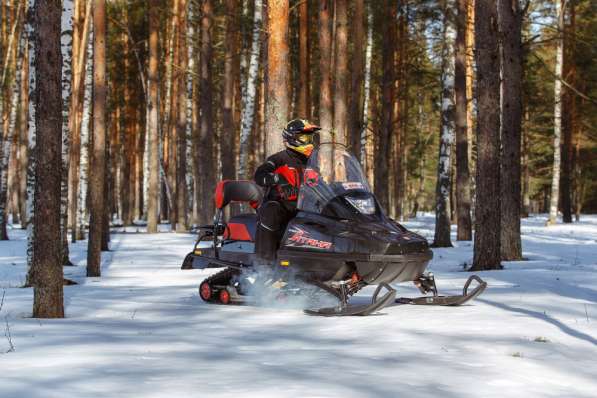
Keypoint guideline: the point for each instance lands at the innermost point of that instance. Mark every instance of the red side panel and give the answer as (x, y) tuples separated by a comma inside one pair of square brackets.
[(236, 231), (220, 194)]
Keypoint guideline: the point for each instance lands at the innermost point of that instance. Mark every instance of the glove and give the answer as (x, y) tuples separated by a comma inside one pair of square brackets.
[(286, 190)]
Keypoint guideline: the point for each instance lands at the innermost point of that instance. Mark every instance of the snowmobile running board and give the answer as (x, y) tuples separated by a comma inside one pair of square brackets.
[(448, 300), (345, 309)]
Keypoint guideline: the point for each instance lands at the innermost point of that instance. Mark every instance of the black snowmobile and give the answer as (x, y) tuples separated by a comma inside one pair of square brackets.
[(339, 242)]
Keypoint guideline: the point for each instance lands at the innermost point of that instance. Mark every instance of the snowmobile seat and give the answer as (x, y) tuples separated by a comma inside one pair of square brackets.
[(241, 227), (228, 191)]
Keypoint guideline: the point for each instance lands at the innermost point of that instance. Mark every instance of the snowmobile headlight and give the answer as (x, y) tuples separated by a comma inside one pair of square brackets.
[(365, 206)]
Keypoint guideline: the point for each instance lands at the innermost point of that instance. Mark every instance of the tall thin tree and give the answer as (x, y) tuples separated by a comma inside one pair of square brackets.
[(487, 208), (277, 100), (46, 262), (98, 152), (442, 212), (153, 114), (326, 110), (510, 19), (463, 187), (341, 73)]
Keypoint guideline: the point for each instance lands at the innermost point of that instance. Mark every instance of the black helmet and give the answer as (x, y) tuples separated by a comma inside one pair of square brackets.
[(298, 136)]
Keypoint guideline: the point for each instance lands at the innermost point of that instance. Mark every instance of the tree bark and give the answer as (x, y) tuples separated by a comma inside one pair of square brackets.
[(358, 66), (249, 96), (384, 149), (227, 139), (46, 265), (277, 100), (97, 172), (367, 91), (442, 212), (153, 125), (510, 17), (326, 112), (557, 115), (463, 187), (341, 73), (569, 117), (304, 92), (207, 163), (181, 125), (487, 208), (24, 139)]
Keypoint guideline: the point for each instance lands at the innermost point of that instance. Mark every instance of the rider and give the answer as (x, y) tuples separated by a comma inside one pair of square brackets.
[(281, 176)]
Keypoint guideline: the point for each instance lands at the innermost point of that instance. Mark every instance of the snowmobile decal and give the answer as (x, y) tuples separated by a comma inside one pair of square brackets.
[(300, 238)]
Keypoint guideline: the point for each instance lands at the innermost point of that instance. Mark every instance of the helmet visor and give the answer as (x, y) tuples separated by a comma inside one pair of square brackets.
[(305, 138)]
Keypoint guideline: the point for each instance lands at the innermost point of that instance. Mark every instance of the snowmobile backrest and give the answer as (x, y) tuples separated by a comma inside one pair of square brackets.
[(229, 191)]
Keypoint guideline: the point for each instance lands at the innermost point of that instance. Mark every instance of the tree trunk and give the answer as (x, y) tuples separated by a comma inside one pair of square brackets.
[(442, 213), (207, 165), (341, 73), (79, 60), (526, 175), (510, 17), (304, 92), (358, 66), (227, 139), (181, 125), (84, 145), (384, 149), (97, 172), (153, 125), (277, 100), (326, 112), (463, 187), (367, 91), (248, 102), (557, 115), (46, 265), (487, 208), (568, 118), (24, 139)]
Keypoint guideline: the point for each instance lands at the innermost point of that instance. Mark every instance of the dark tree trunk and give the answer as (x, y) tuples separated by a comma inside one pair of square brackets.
[(358, 69), (46, 266), (487, 209), (228, 137), (463, 183), (384, 149), (510, 17), (568, 119), (181, 125), (206, 165), (98, 152)]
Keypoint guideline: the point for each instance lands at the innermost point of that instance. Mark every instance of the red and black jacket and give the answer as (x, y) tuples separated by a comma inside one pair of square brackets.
[(288, 164)]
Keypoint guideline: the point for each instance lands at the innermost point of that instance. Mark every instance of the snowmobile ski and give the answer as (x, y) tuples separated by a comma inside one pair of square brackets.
[(345, 309), (448, 300)]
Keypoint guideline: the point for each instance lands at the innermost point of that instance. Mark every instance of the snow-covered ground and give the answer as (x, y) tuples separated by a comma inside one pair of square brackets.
[(142, 331)]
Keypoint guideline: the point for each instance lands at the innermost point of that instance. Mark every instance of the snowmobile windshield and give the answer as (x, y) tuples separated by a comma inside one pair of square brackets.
[(334, 185)]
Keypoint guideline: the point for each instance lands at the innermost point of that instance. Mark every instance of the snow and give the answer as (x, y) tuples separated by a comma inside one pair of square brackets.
[(142, 331)]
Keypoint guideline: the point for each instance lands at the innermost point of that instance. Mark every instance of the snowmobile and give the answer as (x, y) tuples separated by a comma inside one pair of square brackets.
[(339, 242)]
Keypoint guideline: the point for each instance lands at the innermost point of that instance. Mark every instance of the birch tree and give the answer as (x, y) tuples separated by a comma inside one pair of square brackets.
[(442, 213), (557, 114), (248, 97), (367, 89)]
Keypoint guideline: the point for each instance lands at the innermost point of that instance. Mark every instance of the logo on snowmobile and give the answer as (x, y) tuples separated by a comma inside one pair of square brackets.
[(300, 238)]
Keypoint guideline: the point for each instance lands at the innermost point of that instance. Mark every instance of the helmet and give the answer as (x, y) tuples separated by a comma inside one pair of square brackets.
[(298, 136)]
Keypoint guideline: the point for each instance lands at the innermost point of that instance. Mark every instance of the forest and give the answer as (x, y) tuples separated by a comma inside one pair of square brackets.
[(121, 113), (148, 148)]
